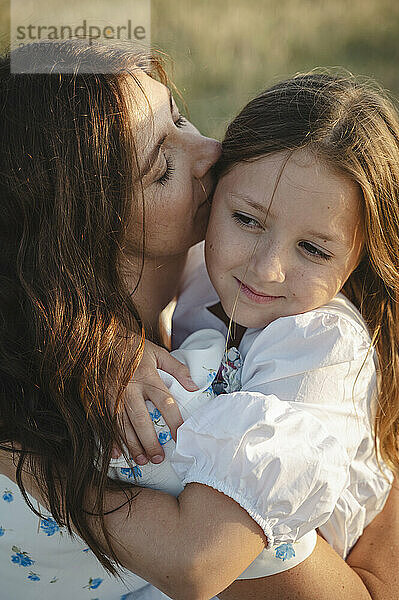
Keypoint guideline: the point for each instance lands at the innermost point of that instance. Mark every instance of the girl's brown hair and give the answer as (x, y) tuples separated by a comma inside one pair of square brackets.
[(68, 167), (354, 127)]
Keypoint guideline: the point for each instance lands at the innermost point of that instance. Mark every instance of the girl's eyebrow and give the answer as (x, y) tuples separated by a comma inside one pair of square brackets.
[(263, 208), (151, 159), (253, 203)]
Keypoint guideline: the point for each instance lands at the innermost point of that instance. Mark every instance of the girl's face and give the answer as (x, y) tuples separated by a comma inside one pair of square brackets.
[(301, 255), (174, 160)]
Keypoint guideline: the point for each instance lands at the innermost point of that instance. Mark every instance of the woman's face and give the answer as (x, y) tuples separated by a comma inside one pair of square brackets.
[(174, 161), (296, 259)]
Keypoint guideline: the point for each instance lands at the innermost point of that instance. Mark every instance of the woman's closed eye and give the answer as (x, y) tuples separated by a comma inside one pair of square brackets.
[(167, 174)]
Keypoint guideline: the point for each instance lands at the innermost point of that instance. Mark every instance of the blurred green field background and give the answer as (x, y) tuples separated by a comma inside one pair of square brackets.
[(224, 52)]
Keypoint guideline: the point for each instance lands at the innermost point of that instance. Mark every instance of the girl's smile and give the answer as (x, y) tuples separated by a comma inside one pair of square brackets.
[(255, 295), (292, 258)]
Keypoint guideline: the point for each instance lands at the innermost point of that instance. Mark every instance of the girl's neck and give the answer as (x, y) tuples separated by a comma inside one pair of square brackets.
[(158, 285)]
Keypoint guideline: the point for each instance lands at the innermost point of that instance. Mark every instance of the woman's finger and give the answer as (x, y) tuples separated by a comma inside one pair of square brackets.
[(136, 450), (171, 365), (161, 398), (136, 411)]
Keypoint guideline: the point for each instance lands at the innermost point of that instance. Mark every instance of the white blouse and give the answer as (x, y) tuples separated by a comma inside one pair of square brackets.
[(295, 446)]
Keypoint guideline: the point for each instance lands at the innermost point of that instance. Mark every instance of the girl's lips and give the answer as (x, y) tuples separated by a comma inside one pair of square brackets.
[(255, 296)]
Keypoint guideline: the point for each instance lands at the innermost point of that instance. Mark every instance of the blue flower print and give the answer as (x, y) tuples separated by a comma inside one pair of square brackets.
[(164, 436), (94, 583), (211, 376), (2, 531), (7, 496), (49, 526), (125, 596), (285, 551), (21, 558), (136, 471), (33, 576), (155, 414), (86, 550)]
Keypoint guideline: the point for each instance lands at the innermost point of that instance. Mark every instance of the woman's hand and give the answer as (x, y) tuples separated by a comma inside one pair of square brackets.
[(135, 421)]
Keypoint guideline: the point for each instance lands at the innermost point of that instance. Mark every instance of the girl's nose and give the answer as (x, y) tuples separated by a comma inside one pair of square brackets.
[(267, 267), (207, 152)]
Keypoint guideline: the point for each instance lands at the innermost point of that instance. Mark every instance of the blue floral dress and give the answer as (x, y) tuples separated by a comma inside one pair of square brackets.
[(40, 560)]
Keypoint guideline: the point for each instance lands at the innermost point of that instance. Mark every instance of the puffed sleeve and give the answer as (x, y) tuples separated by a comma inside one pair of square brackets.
[(279, 463), (284, 454)]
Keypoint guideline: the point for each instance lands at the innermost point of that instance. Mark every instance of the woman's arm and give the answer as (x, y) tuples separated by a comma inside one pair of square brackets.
[(192, 546), (213, 538)]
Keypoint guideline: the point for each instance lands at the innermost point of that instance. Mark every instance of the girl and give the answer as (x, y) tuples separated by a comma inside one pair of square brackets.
[(71, 254), (300, 250)]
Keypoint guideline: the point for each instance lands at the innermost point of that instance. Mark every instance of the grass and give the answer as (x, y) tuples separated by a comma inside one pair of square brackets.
[(226, 52), (223, 53)]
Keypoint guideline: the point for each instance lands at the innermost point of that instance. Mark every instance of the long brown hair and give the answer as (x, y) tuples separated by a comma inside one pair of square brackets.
[(68, 167), (353, 126)]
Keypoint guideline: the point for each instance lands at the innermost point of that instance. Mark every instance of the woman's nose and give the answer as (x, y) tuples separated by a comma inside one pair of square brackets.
[(207, 152), (267, 267)]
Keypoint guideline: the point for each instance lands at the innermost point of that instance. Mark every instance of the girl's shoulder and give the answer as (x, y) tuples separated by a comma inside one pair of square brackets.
[(339, 314), (331, 334), (342, 309)]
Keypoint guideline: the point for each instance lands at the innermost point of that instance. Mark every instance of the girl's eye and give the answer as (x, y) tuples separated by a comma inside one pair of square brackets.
[(313, 251), (168, 172), (246, 221), (181, 122)]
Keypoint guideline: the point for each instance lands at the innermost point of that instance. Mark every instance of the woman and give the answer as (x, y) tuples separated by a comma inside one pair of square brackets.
[(84, 270)]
